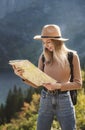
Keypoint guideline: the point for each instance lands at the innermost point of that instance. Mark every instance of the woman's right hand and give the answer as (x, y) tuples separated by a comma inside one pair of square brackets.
[(18, 71)]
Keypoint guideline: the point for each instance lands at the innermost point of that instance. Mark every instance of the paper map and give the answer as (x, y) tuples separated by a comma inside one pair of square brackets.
[(32, 73)]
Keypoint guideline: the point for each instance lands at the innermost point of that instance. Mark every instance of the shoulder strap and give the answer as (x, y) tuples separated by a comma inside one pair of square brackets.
[(43, 60), (70, 59)]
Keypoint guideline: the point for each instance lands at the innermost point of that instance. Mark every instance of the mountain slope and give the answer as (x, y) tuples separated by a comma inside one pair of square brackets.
[(18, 26)]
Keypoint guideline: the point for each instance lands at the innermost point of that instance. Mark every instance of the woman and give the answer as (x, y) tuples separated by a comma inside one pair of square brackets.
[(55, 98)]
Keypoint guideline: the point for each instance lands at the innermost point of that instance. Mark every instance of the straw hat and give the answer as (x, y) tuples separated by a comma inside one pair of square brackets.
[(50, 31)]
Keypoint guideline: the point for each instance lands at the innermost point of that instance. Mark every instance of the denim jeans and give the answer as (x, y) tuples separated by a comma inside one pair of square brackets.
[(59, 105)]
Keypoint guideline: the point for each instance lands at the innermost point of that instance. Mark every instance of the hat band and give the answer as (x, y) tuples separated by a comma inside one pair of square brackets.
[(50, 37)]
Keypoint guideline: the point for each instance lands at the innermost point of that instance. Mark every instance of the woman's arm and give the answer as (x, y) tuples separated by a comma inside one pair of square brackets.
[(77, 80)]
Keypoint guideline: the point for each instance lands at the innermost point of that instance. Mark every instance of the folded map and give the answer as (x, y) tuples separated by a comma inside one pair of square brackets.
[(31, 73)]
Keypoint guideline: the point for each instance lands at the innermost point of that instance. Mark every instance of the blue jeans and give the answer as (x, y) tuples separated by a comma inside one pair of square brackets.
[(59, 105)]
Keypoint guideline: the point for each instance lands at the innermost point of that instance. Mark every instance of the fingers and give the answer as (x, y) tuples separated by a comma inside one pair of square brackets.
[(14, 67), (18, 71), (48, 86), (52, 86)]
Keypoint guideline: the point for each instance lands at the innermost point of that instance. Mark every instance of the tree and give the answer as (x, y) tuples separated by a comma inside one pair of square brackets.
[(2, 114), (14, 102), (28, 95)]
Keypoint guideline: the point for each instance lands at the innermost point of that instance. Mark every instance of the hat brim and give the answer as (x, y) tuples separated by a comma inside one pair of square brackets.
[(38, 37)]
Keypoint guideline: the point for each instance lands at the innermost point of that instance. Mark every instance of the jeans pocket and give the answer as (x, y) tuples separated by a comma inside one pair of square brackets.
[(45, 102), (65, 100)]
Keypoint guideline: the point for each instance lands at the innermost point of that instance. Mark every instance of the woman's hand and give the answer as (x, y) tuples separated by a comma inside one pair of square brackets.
[(18, 71), (52, 86)]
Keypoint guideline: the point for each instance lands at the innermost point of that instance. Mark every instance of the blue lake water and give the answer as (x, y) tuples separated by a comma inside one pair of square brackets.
[(7, 81)]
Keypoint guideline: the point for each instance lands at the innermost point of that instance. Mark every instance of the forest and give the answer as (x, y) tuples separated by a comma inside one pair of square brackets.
[(21, 109)]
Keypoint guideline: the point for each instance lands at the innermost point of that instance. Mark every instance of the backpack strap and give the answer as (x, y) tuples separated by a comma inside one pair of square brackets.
[(73, 93), (70, 59), (43, 60)]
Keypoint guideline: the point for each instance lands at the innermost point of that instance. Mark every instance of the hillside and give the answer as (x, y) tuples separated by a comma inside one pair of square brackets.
[(20, 21)]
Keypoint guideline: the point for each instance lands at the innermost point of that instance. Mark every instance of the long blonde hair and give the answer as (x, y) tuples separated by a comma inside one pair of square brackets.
[(61, 53)]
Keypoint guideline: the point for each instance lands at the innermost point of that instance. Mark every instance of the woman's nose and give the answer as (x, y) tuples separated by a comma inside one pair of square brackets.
[(45, 44)]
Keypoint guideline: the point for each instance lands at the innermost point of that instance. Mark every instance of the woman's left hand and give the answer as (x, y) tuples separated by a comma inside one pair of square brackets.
[(52, 86)]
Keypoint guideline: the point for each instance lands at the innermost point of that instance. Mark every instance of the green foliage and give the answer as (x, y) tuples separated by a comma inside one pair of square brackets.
[(34, 105), (27, 118), (14, 102), (80, 110), (28, 94), (2, 114)]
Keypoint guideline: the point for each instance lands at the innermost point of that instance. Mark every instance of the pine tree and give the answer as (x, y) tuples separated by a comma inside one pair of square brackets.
[(14, 103), (2, 114)]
